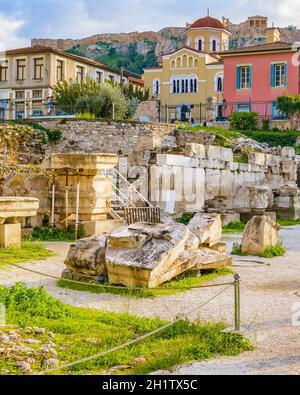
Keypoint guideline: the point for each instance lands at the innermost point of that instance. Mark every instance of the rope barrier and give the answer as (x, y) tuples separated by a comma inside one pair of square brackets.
[(131, 342), (104, 286)]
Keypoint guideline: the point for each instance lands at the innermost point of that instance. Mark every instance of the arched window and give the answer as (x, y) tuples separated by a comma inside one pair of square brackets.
[(220, 84), (184, 61), (182, 86), (214, 45), (186, 86), (191, 62), (200, 45), (156, 87), (173, 64), (178, 86)]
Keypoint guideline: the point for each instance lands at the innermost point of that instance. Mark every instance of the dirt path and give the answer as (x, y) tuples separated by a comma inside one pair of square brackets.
[(269, 294)]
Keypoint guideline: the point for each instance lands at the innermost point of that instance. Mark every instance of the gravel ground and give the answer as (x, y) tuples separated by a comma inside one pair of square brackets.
[(270, 297)]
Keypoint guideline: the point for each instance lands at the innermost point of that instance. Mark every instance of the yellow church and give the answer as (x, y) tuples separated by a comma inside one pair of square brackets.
[(192, 76)]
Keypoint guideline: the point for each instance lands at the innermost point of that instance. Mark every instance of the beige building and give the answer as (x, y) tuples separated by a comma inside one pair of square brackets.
[(28, 75), (189, 76)]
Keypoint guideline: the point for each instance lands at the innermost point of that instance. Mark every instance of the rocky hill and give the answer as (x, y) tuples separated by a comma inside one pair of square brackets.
[(135, 50)]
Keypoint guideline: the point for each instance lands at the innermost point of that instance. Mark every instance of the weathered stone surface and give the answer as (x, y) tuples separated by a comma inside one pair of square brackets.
[(207, 259), (226, 154), (176, 160), (192, 242), (87, 256), (259, 197), (257, 158), (261, 232), (144, 265), (207, 227), (214, 152), (195, 151), (288, 152), (212, 184)]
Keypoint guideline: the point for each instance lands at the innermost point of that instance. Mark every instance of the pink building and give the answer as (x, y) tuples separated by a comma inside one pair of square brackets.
[(254, 77)]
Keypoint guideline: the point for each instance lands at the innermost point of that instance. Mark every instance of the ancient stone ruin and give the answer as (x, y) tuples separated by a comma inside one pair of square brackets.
[(260, 233), (12, 210), (148, 255), (82, 191)]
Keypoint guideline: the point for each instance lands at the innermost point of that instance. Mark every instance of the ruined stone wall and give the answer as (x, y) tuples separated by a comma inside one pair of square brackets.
[(122, 138), (208, 178)]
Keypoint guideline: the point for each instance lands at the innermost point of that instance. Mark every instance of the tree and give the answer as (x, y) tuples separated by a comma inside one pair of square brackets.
[(289, 106), (107, 103), (66, 94)]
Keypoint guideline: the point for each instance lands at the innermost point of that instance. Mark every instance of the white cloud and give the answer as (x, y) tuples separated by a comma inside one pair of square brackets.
[(9, 33)]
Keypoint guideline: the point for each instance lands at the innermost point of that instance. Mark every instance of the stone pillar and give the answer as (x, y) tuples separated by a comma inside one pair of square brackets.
[(12, 210), (92, 170)]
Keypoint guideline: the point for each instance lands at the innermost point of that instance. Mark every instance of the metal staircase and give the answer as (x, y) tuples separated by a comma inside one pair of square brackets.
[(123, 206)]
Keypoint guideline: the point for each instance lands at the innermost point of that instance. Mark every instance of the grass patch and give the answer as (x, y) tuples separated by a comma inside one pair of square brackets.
[(81, 332), (28, 252), (47, 233), (270, 252), (286, 222), (274, 139), (186, 282), (234, 227)]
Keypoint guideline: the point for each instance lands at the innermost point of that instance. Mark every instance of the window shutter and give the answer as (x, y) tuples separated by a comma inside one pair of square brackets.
[(272, 75), (285, 75), (238, 78), (250, 76)]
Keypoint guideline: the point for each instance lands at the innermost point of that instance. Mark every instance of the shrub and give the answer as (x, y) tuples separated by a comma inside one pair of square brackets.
[(54, 136), (274, 139), (244, 120), (265, 124), (109, 101), (274, 251), (20, 300)]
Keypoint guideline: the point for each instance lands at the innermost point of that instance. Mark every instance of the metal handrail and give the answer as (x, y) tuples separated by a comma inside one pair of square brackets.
[(131, 187)]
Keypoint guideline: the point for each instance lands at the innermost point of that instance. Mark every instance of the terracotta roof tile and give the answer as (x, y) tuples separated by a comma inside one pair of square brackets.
[(39, 48), (208, 21)]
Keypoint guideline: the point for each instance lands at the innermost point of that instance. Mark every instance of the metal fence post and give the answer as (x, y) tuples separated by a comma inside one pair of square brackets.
[(237, 303)]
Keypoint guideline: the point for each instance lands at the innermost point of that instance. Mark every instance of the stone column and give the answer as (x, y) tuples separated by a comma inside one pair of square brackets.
[(95, 188)]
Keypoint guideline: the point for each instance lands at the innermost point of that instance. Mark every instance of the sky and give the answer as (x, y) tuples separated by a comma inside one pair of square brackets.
[(21, 20)]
